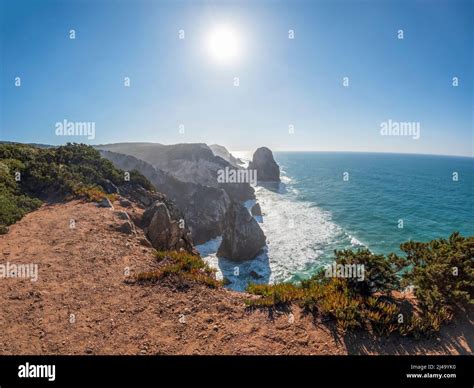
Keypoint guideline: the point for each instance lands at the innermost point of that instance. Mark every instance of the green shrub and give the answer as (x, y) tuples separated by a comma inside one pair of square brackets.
[(274, 295), (380, 272), (180, 266), (381, 315), (337, 301), (441, 272), (61, 173)]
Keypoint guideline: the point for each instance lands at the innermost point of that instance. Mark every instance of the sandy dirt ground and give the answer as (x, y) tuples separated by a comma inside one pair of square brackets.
[(81, 304)]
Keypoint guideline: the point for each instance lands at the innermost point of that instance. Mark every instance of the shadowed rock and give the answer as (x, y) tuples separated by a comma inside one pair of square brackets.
[(105, 202), (164, 232), (222, 152), (242, 238), (203, 207), (127, 228), (190, 163), (267, 168), (256, 210)]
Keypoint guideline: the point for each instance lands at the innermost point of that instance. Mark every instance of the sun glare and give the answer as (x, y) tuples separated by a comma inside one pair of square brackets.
[(223, 44)]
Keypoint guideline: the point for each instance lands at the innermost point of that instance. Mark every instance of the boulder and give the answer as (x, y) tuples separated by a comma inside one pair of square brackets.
[(267, 168), (122, 215), (127, 228), (159, 227), (255, 275), (105, 202), (164, 232), (256, 210), (242, 238), (125, 202), (109, 187)]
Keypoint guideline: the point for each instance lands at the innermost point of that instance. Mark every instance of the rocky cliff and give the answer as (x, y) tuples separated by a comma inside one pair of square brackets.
[(190, 163), (81, 275), (242, 238), (77, 171), (264, 163), (203, 207), (223, 153)]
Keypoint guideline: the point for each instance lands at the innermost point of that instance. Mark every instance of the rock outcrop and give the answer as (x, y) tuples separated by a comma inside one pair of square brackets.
[(126, 227), (109, 187), (242, 238), (203, 207), (190, 163), (222, 152), (162, 221), (105, 202), (164, 232), (267, 168), (256, 210), (239, 192)]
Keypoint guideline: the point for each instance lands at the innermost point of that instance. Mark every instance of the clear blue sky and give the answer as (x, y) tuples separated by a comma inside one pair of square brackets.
[(282, 81)]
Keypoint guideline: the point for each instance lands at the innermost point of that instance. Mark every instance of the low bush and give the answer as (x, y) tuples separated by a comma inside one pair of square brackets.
[(180, 266), (30, 175), (440, 271)]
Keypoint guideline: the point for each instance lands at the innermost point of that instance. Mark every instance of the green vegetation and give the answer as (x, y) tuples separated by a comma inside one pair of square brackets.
[(441, 272), (180, 266), (30, 175)]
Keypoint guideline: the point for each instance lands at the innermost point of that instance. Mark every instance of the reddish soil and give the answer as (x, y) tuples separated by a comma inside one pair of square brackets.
[(82, 272)]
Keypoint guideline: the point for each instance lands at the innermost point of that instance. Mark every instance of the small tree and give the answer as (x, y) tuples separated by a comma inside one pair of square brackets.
[(442, 272), (380, 272)]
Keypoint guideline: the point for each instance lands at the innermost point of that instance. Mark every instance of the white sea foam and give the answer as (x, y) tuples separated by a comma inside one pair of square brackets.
[(299, 237), (356, 243), (286, 179), (244, 156)]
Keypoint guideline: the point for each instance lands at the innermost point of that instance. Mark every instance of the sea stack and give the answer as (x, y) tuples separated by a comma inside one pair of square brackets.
[(267, 168), (242, 238), (256, 210)]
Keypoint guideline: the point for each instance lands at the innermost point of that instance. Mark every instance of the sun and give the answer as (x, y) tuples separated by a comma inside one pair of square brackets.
[(223, 44)]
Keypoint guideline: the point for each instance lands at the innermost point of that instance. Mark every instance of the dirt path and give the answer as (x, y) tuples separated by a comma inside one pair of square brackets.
[(80, 303)]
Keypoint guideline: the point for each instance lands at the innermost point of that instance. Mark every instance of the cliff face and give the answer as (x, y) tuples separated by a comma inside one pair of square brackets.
[(162, 221), (223, 153), (210, 208), (82, 272), (203, 207), (242, 238), (267, 168), (77, 171), (190, 163)]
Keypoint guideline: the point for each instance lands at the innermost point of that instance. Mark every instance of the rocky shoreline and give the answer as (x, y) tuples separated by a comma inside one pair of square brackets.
[(211, 208)]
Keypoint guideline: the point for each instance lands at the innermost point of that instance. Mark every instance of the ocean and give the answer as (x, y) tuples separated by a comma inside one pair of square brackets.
[(337, 200)]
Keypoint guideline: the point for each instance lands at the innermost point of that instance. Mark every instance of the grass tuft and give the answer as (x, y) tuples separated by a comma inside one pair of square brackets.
[(181, 266)]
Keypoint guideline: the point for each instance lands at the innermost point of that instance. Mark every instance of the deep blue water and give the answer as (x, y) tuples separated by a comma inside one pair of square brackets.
[(383, 189), (315, 211)]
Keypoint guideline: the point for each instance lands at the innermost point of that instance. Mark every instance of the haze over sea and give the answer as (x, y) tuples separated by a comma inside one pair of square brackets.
[(314, 210)]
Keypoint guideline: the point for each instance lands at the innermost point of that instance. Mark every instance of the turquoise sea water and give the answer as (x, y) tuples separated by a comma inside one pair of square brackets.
[(315, 210)]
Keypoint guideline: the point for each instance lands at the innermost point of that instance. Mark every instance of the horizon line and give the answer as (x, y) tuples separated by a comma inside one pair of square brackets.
[(247, 150), (382, 152), (366, 152)]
